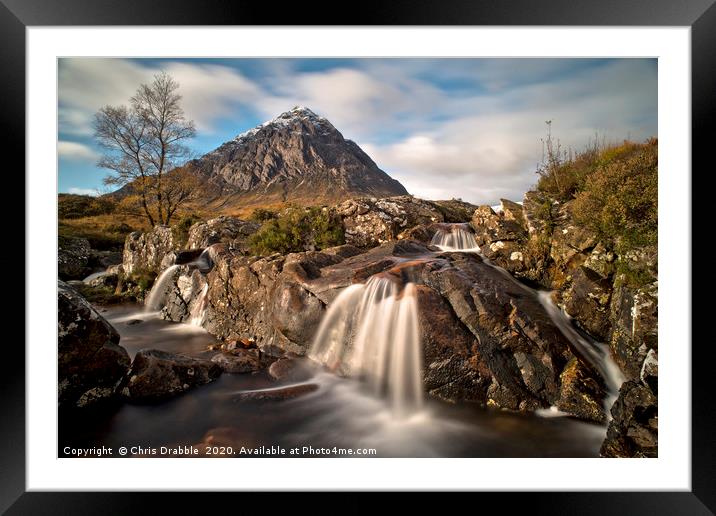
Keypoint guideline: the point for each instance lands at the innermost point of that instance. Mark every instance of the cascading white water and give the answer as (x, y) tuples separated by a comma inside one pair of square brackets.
[(596, 353), (158, 294), (455, 238), (198, 311), (371, 332)]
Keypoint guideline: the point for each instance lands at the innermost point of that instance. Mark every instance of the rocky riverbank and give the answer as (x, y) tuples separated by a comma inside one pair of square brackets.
[(486, 337)]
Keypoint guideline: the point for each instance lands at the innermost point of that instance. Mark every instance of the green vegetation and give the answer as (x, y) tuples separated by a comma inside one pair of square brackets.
[(627, 274), (619, 199), (142, 278), (298, 229), (102, 295), (101, 220), (101, 237), (537, 248), (613, 190), (72, 206), (180, 231), (262, 215)]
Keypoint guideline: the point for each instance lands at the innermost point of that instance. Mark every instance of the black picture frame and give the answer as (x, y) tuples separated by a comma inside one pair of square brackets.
[(700, 15)]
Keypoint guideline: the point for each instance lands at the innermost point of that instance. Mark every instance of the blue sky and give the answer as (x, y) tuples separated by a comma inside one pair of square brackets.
[(467, 128)]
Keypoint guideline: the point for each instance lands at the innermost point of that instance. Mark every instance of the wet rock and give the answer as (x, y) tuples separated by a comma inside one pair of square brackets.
[(295, 311), (649, 375), (581, 393), (369, 222), (145, 251), (635, 330), (423, 233), (108, 280), (278, 394), (342, 251), (450, 368), (73, 258), (519, 353), (486, 338), (133, 322), (157, 375), (228, 230), (291, 370), (91, 362), (238, 360), (633, 431), (587, 300)]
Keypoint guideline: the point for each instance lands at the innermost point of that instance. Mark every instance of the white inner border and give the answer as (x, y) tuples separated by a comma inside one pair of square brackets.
[(670, 471)]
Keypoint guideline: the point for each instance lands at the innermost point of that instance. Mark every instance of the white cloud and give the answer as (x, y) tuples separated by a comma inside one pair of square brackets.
[(76, 151), (84, 191), (357, 102), (86, 84), (491, 145), (477, 138)]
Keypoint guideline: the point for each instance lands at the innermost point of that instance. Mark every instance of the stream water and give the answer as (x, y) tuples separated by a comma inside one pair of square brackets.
[(343, 413), (370, 336)]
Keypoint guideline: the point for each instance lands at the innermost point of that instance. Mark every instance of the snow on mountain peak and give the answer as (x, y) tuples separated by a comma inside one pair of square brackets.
[(297, 113)]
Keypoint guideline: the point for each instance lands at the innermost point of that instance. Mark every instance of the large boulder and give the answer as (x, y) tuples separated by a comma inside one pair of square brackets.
[(145, 251), (501, 236), (91, 363), (634, 325), (238, 360), (157, 375), (633, 430), (369, 222), (228, 230), (184, 294), (580, 393), (73, 258), (587, 300), (486, 337), (513, 211)]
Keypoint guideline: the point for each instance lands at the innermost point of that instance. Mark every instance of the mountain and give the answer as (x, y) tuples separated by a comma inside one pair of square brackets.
[(296, 157)]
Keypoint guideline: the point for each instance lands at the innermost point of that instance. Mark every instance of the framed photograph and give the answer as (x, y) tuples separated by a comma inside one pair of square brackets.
[(447, 248)]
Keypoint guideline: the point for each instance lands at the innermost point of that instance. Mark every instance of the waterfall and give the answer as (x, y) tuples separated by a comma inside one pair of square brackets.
[(158, 294), (203, 262), (371, 332), (596, 353), (198, 311), (455, 238)]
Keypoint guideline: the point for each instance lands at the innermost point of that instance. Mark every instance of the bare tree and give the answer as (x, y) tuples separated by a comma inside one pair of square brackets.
[(552, 157), (144, 144)]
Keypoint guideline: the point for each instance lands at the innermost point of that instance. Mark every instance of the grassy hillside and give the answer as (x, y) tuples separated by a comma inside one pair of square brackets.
[(613, 189)]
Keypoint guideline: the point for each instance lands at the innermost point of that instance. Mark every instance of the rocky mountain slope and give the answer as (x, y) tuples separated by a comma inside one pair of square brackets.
[(296, 157)]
